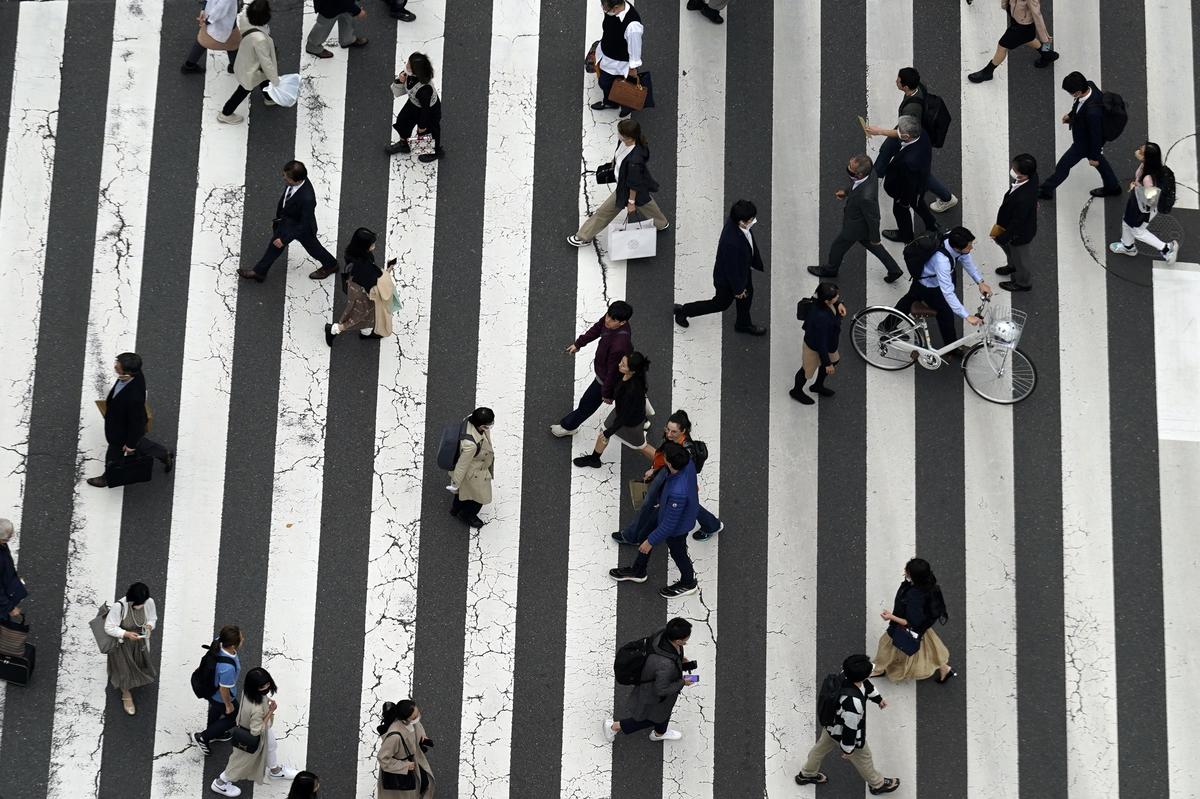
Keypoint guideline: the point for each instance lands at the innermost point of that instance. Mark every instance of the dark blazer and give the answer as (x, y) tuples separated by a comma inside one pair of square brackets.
[(735, 259), (860, 217), (1087, 124), (331, 8), (822, 330), (299, 217), (12, 590), (1018, 214), (634, 174), (125, 420), (909, 171)]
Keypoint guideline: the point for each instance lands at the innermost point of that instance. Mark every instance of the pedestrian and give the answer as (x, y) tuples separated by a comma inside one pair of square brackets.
[(917, 606), (627, 419), (1142, 206), (343, 12), (679, 430), (256, 716), (912, 104), (130, 620), (1026, 28), (849, 729), (635, 186), (709, 9), (218, 31), (125, 419), (397, 10), (295, 220), (1016, 222), (936, 288), (306, 785), (615, 341), (258, 66), (679, 506), (619, 53), (362, 275), (12, 587), (404, 770), (860, 222), (1086, 121), (471, 480), (819, 352), (222, 704), (422, 108), (907, 179), (662, 679), (737, 255)]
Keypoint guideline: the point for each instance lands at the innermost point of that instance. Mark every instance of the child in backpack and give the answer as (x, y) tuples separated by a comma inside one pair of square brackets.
[(1145, 194)]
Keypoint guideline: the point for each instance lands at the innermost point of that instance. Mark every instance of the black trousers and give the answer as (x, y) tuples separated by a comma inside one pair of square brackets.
[(311, 246), (1074, 154), (196, 54), (465, 507), (239, 94), (934, 298), (218, 722), (406, 121), (842, 244), (903, 214), (630, 726), (144, 447), (723, 299)]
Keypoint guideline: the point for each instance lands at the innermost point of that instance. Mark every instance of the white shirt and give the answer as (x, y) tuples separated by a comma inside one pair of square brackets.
[(858, 181), (290, 191), (633, 40), (119, 386), (116, 612), (1017, 185), (939, 272), (221, 16), (904, 143), (623, 150), (749, 238)]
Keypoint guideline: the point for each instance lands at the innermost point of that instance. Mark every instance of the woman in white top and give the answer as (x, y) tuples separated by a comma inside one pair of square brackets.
[(218, 31), (634, 188), (131, 620), (258, 66), (1142, 206)]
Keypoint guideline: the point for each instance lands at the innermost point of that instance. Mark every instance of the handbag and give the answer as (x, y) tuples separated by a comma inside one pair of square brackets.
[(589, 60), (206, 40), (637, 492), (904, 639), (637, 94), (245, 740), (391, 781), (632, 240), (104, 642), (13, 636), (130, 469)]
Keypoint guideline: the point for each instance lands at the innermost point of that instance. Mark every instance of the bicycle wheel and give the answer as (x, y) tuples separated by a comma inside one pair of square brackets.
[(1001, 376), (874, 331)]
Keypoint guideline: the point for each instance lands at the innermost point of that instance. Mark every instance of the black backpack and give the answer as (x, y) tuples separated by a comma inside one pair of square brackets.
[(918, 252), (803, 307), (829, 699), (1114, 117), (699, 454), (935, 118), (631, 659), (1166, 190), (451, 446), (204, 678)]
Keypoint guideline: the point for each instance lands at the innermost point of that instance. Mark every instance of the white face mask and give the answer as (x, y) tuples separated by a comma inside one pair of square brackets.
[(751, 223), (1012, 174), (414, 722)]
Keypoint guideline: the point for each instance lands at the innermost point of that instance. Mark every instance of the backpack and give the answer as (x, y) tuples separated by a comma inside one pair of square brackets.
[(699, 451), (631, 659), (204, 678), (935, 118), (1166, 190), (1114, 117), (451, 446), (918, 252), (829, 699), (803, 307)]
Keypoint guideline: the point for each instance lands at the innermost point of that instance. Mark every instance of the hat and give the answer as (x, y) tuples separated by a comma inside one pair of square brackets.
[(857, 667)]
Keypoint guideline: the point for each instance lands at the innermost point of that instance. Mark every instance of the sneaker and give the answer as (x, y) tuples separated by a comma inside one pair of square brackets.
[(1172, 252), (889, 784), (941, 206), (225, 788), (621, 539), (664, 227), (669, 735), (678, 589), (591, 460), (230, 119), (575, 241), (285, 773), (562, 432), (609, 735), (200, 742), (626, 575), (701, 535), (1118, 248), (226, 737)]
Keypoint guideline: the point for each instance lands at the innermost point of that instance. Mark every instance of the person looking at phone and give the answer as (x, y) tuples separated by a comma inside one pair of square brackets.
[(130, 620), (360, 282), (404, 770), (662, 680)]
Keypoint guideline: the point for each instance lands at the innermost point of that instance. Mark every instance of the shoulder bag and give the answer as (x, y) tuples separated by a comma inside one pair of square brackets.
[(104, 642), (242, 737), (391, 781)]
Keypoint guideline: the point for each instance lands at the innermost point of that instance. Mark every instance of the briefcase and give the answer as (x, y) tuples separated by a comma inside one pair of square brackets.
[(636, 95), (129, 469), (18, 670)]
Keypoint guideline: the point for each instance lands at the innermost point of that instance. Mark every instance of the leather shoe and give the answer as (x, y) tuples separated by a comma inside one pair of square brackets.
[(403, 14), (361, 41), (329, 335), (752, 330), (894, 235), (1008, 285), (323, 54), (1004, 270), (601, 105), (250, 274), (892, 277), (711, 14), (98, 482), (1106, 192), (680, 318), (822, 271), (323, 272)]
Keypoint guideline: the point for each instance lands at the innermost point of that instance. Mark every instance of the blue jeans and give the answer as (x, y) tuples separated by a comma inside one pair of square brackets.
[(588, 404), (888, 151), (643, 522), (1074, 154)]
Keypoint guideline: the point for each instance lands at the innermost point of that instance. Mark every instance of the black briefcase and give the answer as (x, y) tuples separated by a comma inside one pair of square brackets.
[(18, 670), (129, 469)]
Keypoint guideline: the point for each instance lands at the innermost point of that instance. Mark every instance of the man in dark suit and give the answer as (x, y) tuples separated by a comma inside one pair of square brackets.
[(1016, 222), (860, 221), (737, 254), (125, 418), (295, 220), (1086, 120), (907, 178)]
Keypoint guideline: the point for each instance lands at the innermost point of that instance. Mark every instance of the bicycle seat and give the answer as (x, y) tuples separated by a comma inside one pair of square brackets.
[(921, 309)]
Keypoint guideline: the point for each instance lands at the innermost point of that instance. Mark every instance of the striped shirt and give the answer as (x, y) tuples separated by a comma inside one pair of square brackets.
[(850, 731)]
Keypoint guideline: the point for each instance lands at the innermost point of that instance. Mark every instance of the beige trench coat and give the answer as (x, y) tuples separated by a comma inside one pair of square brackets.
[(381, 295), (243, 766), (392, 755), (474, 470)]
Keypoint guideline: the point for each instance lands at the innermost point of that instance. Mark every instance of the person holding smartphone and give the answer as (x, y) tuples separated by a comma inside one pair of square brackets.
[(131, 620), (422, 108), (404, 770), (662, 680), (359, 280)]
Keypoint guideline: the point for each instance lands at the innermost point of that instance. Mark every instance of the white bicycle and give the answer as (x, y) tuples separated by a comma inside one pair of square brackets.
[(993, 366)]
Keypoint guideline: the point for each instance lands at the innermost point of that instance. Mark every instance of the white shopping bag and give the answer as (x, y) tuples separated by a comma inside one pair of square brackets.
[(632, 240), (287, 92)]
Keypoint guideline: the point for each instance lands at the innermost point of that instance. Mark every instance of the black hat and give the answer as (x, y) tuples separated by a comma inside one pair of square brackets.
[(857, 667)]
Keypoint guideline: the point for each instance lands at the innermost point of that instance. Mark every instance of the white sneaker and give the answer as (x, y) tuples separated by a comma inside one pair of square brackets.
[(1117, 248), (941, 206), (285, 773), (562, 432), (225, 789), (575, 241), (267, 101), (669, 735), (1172, 252), (230, 119), (609, 735)]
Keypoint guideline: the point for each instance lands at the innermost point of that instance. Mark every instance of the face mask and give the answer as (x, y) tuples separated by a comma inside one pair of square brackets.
[(751, 223), (853, 176), (414, 722), (1013, 176)]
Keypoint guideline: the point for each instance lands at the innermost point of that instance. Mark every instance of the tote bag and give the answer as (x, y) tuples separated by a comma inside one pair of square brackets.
[(104, 642), (632, 240)]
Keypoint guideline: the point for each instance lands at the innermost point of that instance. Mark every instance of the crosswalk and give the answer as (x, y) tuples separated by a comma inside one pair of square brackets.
[(306, 506)]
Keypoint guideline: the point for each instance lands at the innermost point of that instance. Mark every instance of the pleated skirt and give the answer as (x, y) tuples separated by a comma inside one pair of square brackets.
[(898, 666)]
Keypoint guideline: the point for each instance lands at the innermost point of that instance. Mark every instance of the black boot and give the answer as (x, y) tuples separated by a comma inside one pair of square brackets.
[(818, 386), (982, 75), (592, 460), (398, 11)]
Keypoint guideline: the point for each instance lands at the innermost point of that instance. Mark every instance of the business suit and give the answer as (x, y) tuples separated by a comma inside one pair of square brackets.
[(296, 220), (343, 12), (1087, 141), (125, 422), (860, 225), (906, 181), (738, 256), (1018, 217)]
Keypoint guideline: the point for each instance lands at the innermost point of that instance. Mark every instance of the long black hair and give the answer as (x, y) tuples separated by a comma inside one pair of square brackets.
[(393, 712), (304, 786), (922, 577), (360, 244), (252, 687), (1152, 163), (638, 365)]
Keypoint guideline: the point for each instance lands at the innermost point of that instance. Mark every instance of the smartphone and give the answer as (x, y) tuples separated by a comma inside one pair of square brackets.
[(691, 679), (392, 262)]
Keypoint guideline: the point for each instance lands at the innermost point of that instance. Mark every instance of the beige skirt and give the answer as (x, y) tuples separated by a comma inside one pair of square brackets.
[(898, 666)]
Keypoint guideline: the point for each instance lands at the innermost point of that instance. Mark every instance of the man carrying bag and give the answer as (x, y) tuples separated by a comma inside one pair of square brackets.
[(130, 455)]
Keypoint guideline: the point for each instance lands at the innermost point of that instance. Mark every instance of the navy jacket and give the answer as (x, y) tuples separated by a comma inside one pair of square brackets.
[(125, 419), (299, 217), (909, 171), (735, 259), (679, 504), (822, 329), (332, 8), (1087, 124)]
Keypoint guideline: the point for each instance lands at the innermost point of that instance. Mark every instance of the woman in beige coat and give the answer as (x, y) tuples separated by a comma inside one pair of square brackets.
[(1026, 28), (471, 480), (402, 753), (256, 713), (256, 65)]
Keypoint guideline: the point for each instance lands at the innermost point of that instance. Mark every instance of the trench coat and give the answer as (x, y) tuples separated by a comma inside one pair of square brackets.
[(474, 471), (242, 765), (392, 754)]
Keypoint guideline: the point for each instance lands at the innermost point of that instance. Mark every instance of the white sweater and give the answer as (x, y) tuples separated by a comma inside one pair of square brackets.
[(116, 612)]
